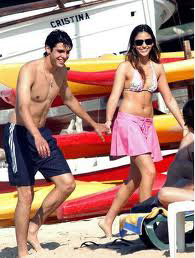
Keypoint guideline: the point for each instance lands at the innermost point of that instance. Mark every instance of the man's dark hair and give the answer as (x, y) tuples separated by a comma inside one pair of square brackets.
[(57, 36), (188, 113)]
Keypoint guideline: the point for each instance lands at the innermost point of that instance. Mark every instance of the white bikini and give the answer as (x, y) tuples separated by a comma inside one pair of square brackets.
[(137, 82)]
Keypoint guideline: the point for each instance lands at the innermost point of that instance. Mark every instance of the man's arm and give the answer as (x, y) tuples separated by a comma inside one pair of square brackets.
[(23, 97), (74, 105)]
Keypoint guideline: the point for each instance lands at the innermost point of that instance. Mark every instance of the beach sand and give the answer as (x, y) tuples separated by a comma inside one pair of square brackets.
[(65, 240)]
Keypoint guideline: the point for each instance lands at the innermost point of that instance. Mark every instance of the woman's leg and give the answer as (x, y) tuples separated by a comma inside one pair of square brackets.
[(148, 172), (126, 190)]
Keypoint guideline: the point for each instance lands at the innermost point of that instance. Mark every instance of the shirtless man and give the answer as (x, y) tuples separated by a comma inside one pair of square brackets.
[(179, 185), (29, 146)]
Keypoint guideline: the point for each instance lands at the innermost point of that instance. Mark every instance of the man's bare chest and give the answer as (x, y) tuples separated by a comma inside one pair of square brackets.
[(42, 91)]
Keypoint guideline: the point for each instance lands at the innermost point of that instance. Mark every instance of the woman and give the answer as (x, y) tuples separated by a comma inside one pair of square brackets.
[(133, 131)]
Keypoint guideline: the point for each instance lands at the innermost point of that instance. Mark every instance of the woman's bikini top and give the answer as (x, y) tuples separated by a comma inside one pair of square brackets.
[(137, 82)]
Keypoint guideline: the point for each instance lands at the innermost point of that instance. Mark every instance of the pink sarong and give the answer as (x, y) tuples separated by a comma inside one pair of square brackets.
[(134, 135)]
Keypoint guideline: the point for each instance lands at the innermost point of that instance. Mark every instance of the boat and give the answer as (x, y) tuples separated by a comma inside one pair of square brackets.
[(90, 78), (93, 169), (89, 199), (88, 22), (118, 171)]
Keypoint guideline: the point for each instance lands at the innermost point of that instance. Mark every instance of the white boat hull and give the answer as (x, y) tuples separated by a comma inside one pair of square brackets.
[(95, 29)]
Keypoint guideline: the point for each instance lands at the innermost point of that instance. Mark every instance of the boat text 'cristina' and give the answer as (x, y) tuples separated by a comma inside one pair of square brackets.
[(67, 20)]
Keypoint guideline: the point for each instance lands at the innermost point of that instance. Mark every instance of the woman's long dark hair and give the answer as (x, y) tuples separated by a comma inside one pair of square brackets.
[(132, 55)]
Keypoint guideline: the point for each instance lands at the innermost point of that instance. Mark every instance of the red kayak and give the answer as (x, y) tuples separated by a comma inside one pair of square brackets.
[(98, 204), (89, 144), (86, 144)]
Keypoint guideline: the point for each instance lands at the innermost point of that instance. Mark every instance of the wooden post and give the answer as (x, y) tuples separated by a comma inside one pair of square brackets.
[(188, 55), (60, 4), (187, 49)]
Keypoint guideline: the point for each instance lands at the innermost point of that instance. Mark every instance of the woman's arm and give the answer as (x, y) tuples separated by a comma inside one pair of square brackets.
[(118, 86), (169, 98)]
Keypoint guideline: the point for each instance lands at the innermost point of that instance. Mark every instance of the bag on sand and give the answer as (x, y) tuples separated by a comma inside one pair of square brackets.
[(161, 229)]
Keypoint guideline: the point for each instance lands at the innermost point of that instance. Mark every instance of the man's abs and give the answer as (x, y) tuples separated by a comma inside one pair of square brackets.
[(38, 113)]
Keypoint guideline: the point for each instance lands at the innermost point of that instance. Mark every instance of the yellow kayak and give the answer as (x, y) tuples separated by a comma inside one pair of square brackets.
[(167, 128)]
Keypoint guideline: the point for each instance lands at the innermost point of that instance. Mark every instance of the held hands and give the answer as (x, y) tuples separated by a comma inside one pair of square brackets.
[(100, 128), (42, 146)]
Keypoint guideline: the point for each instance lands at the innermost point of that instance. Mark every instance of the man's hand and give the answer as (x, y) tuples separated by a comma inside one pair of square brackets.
[(100, 128), (42, 146)]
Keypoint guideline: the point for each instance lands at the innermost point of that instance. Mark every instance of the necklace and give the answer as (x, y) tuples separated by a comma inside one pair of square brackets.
[(50, 82)]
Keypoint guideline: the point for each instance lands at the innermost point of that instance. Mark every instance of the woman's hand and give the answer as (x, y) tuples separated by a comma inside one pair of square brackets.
[(185, 131), (108, 126)]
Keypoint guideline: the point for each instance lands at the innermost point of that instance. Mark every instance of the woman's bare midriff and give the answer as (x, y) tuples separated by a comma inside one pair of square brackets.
[(137, 103)]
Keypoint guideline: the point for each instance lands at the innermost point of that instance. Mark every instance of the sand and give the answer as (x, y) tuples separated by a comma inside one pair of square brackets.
[(65, 240)]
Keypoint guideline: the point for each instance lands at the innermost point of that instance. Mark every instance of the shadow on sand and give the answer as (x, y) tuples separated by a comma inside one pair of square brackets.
[(10, 252)]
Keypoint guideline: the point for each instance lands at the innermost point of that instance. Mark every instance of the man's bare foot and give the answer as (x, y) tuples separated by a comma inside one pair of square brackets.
[(32, 237), (106, 229)]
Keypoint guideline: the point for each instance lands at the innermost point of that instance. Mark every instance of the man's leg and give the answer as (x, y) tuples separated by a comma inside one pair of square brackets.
[(169, 195), (22, 217), (64, 186)]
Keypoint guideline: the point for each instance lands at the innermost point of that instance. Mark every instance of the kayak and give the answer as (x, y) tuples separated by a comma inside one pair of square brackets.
[(99, 203), (9, 200)]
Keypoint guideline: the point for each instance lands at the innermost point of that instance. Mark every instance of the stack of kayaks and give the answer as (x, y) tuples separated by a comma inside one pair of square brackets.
[(93, 77), (94, 198)]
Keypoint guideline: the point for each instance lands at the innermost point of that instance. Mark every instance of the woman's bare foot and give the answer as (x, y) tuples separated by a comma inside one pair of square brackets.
[(32, 237), (22, 255), (106, 229)]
